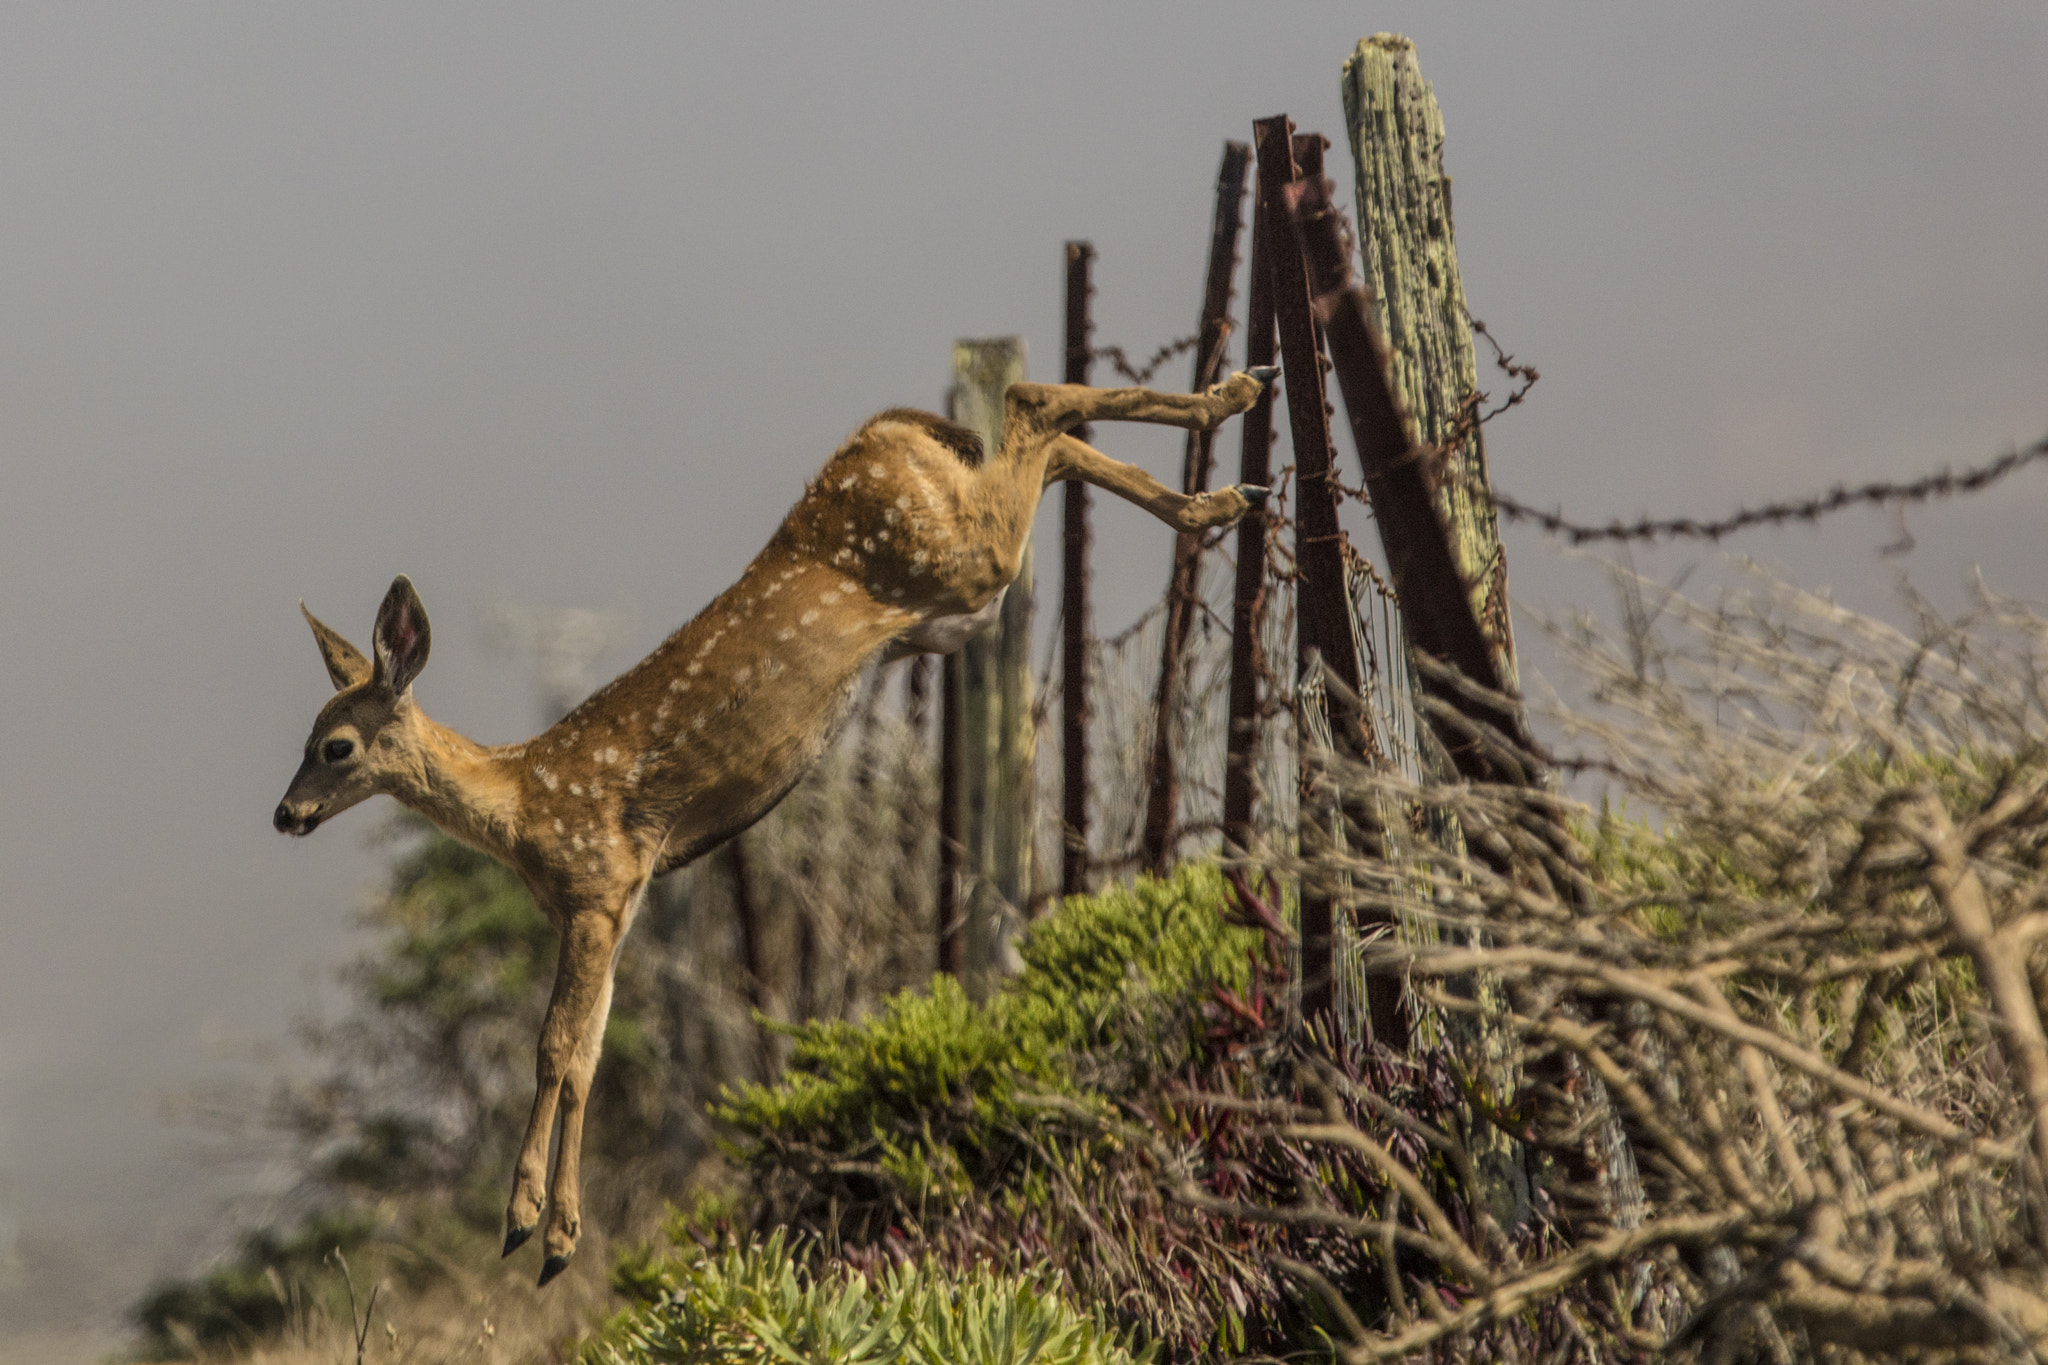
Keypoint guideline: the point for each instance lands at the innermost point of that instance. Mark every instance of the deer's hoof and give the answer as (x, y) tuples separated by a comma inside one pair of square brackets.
[(1254, 493), (553, 1266), (1265, 374), (515, 1238)]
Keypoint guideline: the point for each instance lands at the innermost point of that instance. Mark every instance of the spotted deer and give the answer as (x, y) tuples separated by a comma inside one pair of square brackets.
[(905, 542)]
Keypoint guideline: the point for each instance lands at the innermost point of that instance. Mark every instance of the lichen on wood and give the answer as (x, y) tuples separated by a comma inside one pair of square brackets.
[(1396, 133)]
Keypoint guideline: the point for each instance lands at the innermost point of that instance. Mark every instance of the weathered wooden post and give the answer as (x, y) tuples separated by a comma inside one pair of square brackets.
[(997, 738), (1074, 615), (1183, 586), (1411, 273), (1443, 556)]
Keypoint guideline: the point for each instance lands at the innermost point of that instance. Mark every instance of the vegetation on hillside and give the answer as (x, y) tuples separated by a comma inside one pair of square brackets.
[(758, 1301), (1763, 1076)]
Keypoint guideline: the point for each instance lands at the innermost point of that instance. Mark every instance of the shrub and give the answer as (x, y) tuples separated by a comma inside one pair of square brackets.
[(757, 1302), (936, 1093)]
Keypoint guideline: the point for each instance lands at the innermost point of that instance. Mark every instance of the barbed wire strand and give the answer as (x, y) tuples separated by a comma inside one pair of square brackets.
[(1942, 483)]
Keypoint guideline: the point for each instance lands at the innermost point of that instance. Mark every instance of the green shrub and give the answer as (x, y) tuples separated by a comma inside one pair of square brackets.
[(758, 1303), (935, 1090)]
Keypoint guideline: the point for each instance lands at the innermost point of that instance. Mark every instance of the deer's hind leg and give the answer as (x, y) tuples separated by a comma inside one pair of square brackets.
[(1073, 459), (1043, 410)]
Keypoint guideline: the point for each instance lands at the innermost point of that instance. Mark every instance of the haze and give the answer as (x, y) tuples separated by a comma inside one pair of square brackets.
[(560, 305)]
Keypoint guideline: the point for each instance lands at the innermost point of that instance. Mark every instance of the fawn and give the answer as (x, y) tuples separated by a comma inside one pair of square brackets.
[(904, 543)]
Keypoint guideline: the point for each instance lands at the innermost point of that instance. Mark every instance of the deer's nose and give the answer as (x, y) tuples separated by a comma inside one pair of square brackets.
[(282, 818)]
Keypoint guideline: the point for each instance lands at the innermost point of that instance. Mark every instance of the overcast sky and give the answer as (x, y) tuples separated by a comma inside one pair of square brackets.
[(561, 305)]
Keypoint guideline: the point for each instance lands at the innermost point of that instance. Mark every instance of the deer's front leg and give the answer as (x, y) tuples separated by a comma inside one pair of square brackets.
[(1070, 458), (570, 1037), (1051, 408)]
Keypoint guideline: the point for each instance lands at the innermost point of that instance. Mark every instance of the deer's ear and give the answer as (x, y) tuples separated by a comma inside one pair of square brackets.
[(345, 663), (402, 637)]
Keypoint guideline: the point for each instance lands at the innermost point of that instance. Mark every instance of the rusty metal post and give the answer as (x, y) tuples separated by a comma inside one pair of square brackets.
[(1183, 586), (1436, 606), (1074, 615), (1350, 727), (1320, 598), (1247, 610), (949, 918)]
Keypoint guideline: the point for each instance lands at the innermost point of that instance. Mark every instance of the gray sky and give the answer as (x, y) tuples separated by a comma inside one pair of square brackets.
[(561, 305)]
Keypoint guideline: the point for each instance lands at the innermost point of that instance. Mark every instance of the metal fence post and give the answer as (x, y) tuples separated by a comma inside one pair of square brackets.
[(1074, 614), (1183, 587)]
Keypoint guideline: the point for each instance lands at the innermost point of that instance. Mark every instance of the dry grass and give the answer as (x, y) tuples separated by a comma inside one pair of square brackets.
[(1812, 1004)]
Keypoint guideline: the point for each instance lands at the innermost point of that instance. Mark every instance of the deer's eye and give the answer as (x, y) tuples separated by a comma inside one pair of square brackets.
[(335, 750)]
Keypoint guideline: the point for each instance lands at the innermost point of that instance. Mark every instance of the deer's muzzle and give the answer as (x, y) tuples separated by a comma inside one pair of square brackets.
[(295, 821)]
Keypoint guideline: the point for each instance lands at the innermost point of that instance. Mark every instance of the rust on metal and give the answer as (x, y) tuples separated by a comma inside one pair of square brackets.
[(1162, 800), (950, 918), (1074, 616), (1435, 601), (1318, 557), (1247, 603)]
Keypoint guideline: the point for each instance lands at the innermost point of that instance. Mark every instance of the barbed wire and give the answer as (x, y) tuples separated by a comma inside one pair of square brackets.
[(1142, 374), (1942, 483)]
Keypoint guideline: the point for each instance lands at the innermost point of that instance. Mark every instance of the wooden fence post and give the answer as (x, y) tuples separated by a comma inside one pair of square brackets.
[(997, 734), (1183, 586), (1418, 306), (1074, 616), (1483, 730)]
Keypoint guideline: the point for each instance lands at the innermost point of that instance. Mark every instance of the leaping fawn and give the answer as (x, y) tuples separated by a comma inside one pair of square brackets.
[(905, 542)]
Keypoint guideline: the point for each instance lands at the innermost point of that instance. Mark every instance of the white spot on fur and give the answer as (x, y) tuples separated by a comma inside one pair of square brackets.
[(575, 789), (785, 634), (807, 618), (743, 674)]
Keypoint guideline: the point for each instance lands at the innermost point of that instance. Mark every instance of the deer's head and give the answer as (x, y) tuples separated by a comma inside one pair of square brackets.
[(366, 739)]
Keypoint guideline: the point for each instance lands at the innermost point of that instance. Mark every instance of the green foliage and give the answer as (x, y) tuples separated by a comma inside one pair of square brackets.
[(937, 1089), (1028, 1131), (757, 1303)]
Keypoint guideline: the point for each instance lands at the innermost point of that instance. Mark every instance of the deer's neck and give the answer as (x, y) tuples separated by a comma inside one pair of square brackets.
[(471, 792)]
